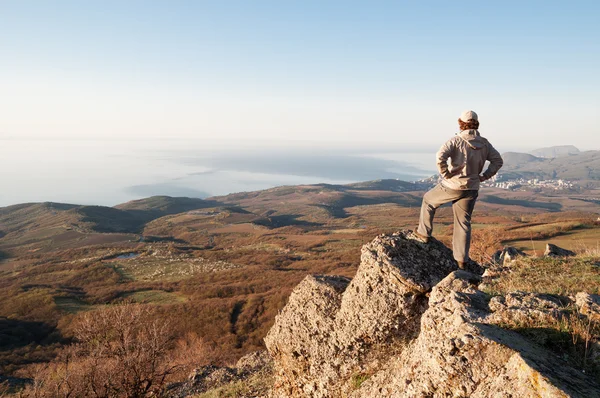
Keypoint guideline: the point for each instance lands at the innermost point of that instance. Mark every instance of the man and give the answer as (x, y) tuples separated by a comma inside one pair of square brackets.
[(468, 152)]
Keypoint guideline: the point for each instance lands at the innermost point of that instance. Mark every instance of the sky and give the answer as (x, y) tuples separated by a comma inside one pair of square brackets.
[(324, 73)]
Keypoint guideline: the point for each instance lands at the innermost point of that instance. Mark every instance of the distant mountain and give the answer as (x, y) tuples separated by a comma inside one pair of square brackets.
[(109, 219), (131, 216), (556, 151), (583, 166), (519, 158)]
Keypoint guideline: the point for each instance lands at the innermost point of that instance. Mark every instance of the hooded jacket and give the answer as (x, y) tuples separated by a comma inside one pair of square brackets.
[(468, 152)]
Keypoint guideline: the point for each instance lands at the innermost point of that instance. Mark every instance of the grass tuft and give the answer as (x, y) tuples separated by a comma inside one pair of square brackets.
[(358, 379)]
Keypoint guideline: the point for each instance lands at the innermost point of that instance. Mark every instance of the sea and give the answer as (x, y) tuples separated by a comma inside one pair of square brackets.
[(112, 171)]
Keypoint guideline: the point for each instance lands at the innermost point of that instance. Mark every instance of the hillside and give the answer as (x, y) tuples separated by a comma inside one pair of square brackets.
[(51, 226), (164, 205), (583, 167)]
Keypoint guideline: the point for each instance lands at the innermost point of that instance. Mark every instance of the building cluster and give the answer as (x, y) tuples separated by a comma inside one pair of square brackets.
[(499, 181), (522, 183)]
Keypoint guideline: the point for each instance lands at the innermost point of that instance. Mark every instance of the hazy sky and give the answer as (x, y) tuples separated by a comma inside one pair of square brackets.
[(395, 72)]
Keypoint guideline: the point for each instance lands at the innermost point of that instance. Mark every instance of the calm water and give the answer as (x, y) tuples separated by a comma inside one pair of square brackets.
[(112, 172)]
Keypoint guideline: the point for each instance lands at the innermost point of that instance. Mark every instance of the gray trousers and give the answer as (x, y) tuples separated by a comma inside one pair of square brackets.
[(463, 203)]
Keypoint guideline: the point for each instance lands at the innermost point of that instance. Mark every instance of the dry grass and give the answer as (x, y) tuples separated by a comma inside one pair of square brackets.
[(256, 385), (588, 250), (573, 336), (484, 243), (550, 275), (573, 236), (158, 297)]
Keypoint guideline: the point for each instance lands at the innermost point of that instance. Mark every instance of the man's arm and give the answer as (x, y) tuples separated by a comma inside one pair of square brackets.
[(496, 163), (442, 159)]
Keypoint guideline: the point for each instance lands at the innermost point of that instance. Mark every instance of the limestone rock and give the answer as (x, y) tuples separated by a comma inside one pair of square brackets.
[(334, 336), (507, 255), (325, 330), (461, 352), (301, 341), (210, 377), (589, 304), (524, 308), (201, 380), (555, 251), (253, 362)]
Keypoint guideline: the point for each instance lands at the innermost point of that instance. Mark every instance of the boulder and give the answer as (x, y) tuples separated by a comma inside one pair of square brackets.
[(507, 255), (326, 329), (589, 305), (555, 251)]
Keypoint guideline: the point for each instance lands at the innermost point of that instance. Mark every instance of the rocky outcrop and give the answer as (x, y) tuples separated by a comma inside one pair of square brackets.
[(465, 349), (324, 333), (209, 378), (555, 251), (411, 325)]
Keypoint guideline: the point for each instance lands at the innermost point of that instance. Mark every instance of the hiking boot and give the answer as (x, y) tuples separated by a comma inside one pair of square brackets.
[(424, 238)]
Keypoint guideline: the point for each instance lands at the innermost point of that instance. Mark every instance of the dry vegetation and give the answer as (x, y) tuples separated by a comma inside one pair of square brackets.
[(571, 335), (120, 351), (564, 276), (255, 386)]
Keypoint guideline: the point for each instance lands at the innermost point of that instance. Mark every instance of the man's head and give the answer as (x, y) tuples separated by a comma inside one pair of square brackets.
[(468, 121)]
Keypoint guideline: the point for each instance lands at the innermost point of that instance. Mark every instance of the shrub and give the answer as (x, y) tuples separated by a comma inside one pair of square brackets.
[(120, 351), (483, 244)]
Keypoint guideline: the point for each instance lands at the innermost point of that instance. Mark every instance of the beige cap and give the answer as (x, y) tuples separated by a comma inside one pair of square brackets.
[(468, 115)]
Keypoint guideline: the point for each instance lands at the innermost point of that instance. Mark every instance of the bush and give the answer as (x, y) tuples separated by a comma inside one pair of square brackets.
[(120, 351)]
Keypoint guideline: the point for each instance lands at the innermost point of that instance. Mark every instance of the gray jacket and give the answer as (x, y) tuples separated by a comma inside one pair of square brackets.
[(467, 152)]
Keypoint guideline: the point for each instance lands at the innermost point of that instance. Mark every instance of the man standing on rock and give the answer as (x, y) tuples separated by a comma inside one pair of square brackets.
[(468, 152)]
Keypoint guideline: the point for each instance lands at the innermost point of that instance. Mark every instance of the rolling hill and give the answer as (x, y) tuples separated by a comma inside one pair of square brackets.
[(44, 226), (582, 166), (165, 205)]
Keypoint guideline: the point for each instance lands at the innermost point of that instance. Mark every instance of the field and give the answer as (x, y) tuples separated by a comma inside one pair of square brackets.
[(578, 240), (222, 268)]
